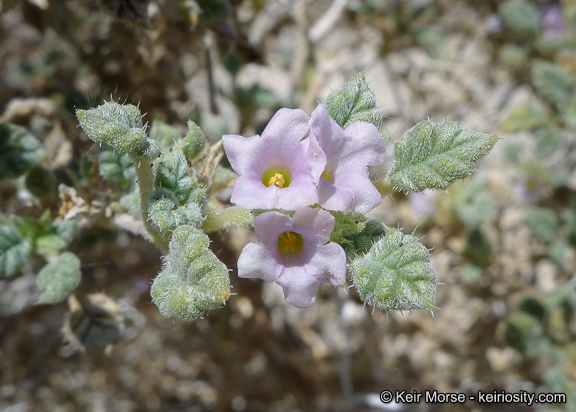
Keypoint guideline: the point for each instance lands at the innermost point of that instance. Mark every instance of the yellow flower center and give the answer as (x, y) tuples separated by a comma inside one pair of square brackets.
[(328, 175), (276, 177), (290, 242), (277, 180)]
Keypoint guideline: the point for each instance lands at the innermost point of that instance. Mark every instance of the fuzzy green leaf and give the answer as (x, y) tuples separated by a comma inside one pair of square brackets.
[(176, 199), (120, 126), (354, 102), (14, 251), (116, 167), (47, 238), (346, 225), (58, 278), (167, 213), (433, 155), (194, 141), (193, 281), (360, 243), (19, 151), (174, 175), (228, 218), (396, 274)]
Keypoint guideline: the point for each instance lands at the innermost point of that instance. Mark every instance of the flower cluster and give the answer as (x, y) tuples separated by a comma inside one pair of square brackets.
[(299, 162)]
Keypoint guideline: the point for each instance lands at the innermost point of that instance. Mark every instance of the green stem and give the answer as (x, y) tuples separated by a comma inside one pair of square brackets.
[(145, 179)]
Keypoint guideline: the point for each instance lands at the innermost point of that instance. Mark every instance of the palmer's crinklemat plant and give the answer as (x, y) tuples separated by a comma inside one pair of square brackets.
[(303, 184)]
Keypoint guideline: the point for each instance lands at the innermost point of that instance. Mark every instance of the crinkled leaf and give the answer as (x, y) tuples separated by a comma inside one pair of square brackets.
[(395, 274), (19, 151), (355, 233), (120, 126), (47, 238), (14, 251), (345, 225), (193, 281), (433, 155), (58, 278), (175, 201), (354, 102), (167, 213), (173, 174), (360, 243)]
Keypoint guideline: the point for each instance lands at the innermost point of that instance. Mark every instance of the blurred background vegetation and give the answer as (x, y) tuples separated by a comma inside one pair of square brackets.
[(503, 241)]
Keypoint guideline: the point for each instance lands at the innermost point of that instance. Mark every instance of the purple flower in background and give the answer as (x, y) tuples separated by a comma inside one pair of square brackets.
[(494, 24), (278, 170), (422, 202), (553, 20), (293, 253), (345, 185)]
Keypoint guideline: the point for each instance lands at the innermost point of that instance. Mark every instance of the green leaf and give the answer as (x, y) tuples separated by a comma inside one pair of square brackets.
[(354, 102), (433, 155), (41, 182), (19, 151), (167, 213), (120, 126), (470, 273), (525, 117), (193, 280), (520, 16), (116, 167), (568, 115), (47, 238), (552, 82), (58, 278), (194, 141), (361, 242), (176, 198), (395, 274), (513, 56), (475, 206), (432, 39), (523, 331), (14, 251), (355, 233), (165, 135), (346, 225), (543, 223), (227, 218), (174, 175)]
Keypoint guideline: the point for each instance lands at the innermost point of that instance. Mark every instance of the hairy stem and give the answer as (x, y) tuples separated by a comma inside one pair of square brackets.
[(145, 179)]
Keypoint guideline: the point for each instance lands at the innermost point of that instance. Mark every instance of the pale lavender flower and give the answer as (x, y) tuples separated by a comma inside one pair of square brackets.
[(345, 185), (292, 252), (278, 170), (553, 20), (422, 202)]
